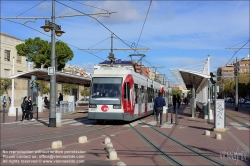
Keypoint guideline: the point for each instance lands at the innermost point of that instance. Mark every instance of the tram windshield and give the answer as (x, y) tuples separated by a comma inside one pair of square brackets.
[(106, 90)]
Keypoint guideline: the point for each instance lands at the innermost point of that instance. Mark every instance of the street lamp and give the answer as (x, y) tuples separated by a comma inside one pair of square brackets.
[(55, 29), (49, 26)]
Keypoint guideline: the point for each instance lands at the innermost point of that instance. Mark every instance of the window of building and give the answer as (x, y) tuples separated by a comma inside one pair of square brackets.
[(18, 58), (7, 55), (6, 73)]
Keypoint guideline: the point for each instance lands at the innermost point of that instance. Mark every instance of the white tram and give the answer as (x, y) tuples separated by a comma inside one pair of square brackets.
[(118, 93)]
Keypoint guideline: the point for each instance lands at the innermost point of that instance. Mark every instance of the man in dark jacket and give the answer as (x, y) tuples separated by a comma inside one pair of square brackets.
[(158, 108), (174, 102)]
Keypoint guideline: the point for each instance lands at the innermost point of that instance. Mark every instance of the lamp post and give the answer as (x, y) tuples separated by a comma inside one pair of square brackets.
[(12, 109), (55, 29)]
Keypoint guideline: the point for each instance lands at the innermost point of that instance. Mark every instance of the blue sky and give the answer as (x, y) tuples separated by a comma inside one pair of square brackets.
[(180, 34)]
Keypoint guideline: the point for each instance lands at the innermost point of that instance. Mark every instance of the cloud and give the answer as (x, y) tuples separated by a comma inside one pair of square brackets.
[(127, 12), (89, 67), (44, 7)]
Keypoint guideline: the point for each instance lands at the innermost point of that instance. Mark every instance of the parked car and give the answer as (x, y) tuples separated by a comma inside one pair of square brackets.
[(247, 102), (241, 100), (83, 100)]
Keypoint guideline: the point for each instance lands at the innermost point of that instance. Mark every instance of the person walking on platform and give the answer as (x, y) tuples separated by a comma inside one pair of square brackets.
[(174, 102), (158, 108), (178, 100)]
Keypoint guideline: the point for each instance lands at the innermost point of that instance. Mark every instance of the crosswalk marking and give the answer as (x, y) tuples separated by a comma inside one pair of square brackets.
[(132, 124), (152, 123), (238, 126)]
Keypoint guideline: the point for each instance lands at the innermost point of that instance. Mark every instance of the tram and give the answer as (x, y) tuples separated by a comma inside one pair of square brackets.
[(119, 93)]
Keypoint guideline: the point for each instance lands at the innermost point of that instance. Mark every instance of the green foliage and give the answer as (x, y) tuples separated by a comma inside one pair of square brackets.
[(38, 51), (66, 88), (46, 90), (5, 84), (230, 87), (87, 91), (175, 92)]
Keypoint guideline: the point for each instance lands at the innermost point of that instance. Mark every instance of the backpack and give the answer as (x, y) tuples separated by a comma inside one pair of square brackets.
[(23, 105)]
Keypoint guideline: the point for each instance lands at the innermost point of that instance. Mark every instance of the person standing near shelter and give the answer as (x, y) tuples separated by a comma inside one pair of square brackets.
[(178, 100), (174, 102), (60, 98), (30, 108), (23, 106), (158, 108), (4, 101), (9, 101)]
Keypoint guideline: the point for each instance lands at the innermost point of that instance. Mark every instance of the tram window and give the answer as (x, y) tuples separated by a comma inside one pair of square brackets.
[(143, 94), (127, 91), (150, 94), (136, 93)]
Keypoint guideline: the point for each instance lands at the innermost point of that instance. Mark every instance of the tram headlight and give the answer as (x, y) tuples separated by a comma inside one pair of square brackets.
[(92, 106), (117, 106)]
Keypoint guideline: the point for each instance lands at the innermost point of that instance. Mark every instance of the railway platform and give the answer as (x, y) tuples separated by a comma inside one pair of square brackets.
[(135, 143)]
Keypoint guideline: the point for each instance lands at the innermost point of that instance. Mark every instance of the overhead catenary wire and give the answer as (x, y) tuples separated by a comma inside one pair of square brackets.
[(238, 43), (143, 24), (50, 36), (89, 5), (99, 42), (102, 25), (237, 52), (30, 8)]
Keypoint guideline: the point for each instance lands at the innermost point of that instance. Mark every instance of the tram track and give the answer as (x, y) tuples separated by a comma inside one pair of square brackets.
[(234, 119), (45, 134), (167, 155), (18, 125), (55, 137)]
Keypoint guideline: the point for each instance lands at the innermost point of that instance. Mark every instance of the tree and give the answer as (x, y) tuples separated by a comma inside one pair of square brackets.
[(5, 84), (46, 90), (39, 52), (66, 88), (87, 91)]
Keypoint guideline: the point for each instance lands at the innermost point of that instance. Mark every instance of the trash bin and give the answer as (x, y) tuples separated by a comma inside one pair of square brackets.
[(205, 108)]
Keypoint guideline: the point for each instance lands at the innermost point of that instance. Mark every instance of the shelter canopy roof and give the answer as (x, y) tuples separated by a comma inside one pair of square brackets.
[(187, 77), (61, 77)]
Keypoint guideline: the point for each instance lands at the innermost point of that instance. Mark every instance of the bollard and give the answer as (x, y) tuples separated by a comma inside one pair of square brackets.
[(16, 114), (176, 117), (36, 113), (166, 115), (3, 115), (171, 116)]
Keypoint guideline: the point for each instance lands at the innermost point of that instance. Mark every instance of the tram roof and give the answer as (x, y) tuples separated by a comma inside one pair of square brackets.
[(61, 77)]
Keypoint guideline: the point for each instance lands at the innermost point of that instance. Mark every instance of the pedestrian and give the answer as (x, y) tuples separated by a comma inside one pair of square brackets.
[(4, 101), (185, 100), (178, 100), (174, 102), (30, 108), (23, 107), (60, 99), (158, 108), (9, 101)]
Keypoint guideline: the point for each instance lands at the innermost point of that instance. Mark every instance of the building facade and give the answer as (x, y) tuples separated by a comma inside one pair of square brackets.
[(228, 72), (8, 55)]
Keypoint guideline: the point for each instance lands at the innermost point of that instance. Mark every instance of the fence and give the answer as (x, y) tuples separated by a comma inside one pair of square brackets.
[(65, 108)]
